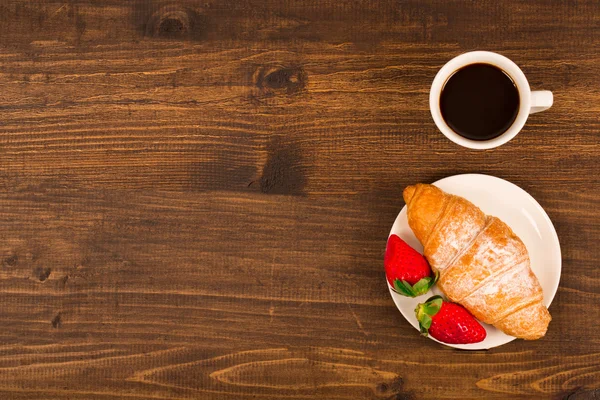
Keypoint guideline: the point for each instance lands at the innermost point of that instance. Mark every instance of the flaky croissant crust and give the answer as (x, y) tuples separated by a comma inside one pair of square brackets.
[(482, 264)]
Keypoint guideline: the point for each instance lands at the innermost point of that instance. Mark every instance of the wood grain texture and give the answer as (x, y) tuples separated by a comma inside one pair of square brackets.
[(195, 196)]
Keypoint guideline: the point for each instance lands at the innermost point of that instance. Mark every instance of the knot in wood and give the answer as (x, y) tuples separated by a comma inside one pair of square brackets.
[(282, 79), (11, 260), (172, 22)]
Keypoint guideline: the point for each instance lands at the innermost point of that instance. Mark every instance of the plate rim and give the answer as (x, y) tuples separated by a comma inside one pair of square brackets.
[(548, 299)]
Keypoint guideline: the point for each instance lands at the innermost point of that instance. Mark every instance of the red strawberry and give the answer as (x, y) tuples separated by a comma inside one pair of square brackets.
[(406, 270), (448, 322)]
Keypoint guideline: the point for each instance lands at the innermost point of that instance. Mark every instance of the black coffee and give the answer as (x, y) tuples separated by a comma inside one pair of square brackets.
[(479, 102)]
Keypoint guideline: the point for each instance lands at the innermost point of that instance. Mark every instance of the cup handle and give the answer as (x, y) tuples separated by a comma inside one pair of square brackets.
[(541, 100)]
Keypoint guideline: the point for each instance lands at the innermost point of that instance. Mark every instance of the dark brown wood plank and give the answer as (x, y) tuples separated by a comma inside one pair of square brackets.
[(196, 196)]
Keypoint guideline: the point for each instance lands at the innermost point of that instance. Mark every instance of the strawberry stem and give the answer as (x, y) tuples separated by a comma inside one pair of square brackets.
[(421, 287), (426, 311)]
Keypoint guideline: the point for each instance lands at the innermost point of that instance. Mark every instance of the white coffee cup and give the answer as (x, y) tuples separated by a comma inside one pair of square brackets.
[(530, 102)]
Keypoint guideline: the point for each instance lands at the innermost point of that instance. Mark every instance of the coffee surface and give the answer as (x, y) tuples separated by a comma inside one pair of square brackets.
[(479, 102)]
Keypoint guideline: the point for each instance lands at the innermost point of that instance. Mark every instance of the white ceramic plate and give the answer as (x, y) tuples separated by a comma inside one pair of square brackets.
[(521, 212)]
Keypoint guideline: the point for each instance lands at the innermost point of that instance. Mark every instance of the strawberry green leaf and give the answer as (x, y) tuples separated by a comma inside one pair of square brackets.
[(431, 309), (409, 288), (423, 284), (402, 289), (426, 311), (436, 276), (421, 287), (433, 306), (426, 321)]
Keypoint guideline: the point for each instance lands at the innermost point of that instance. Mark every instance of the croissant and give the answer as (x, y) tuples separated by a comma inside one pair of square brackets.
[(482, 264)]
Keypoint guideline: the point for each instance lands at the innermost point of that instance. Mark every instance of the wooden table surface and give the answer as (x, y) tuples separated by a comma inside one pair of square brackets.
[(195, 196)]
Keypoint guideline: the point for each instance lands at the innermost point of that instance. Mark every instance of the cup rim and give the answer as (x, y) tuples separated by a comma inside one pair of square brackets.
[(485, 57)]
